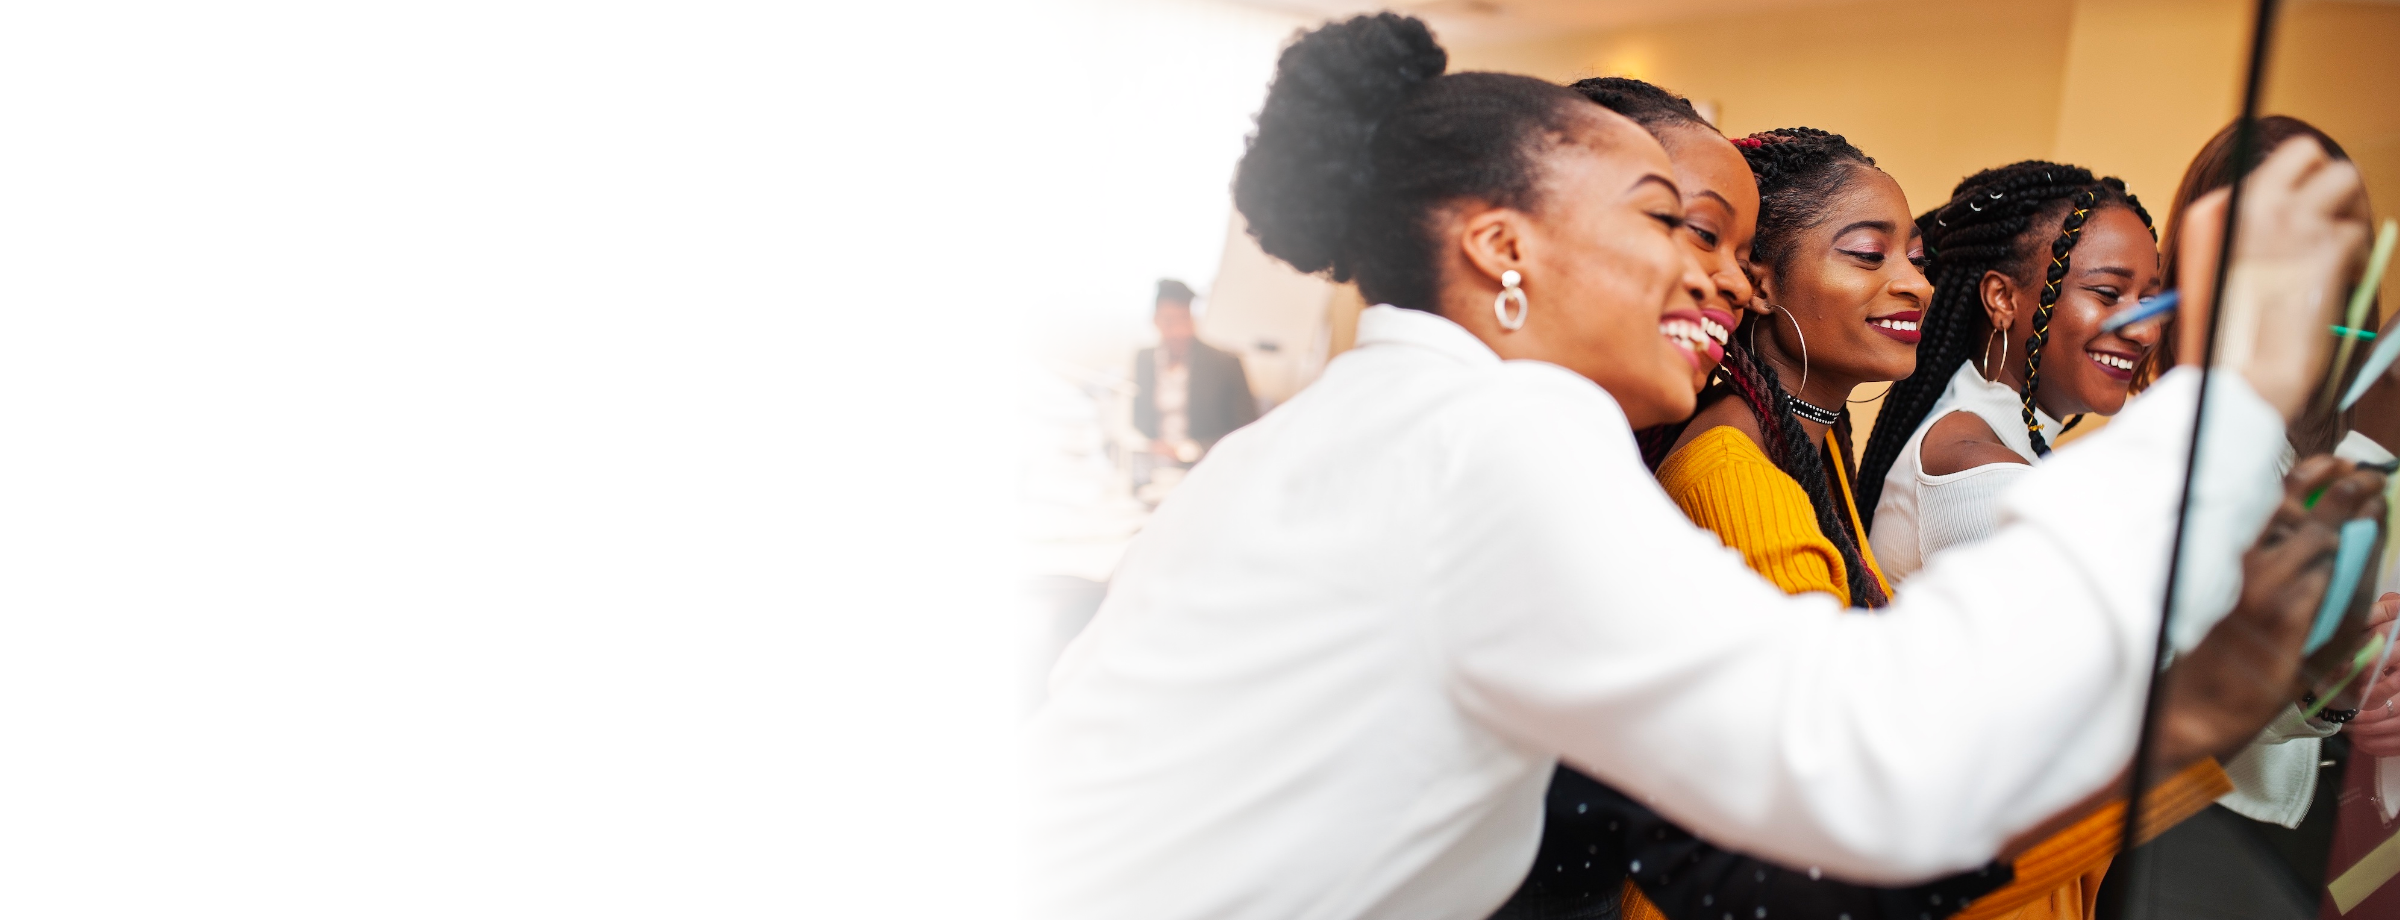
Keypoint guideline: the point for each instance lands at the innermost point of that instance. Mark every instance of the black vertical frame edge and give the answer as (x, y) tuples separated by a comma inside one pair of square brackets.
[(2245, 138)]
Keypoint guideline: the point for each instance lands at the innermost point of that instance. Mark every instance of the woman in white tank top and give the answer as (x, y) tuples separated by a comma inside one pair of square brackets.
[(2027, 260)]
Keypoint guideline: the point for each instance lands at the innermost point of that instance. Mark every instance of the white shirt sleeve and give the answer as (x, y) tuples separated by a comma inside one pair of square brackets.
[(1965, 508), (1884, 749)]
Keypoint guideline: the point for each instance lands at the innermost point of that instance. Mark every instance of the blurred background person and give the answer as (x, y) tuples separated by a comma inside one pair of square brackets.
[(1189, 394), (2211, 169)]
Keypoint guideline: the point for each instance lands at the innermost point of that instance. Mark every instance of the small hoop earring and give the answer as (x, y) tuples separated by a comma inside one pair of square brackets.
[(1803, 387), (1508, 289), (1987, 353)]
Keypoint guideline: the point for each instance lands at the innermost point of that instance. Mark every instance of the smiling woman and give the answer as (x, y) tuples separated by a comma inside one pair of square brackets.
[(2029, 258)]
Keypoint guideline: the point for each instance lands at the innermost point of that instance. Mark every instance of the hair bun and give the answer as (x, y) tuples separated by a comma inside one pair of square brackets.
[(1308, 163)]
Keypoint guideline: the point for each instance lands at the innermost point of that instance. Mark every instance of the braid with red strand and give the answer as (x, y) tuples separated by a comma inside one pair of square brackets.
[(1752, 380), (1799, 170)]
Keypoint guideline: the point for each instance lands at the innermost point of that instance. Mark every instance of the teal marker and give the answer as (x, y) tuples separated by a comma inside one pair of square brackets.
[(2349, 564)]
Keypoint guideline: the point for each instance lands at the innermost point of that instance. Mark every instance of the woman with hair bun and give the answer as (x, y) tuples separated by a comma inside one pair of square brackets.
[(1333, 675)]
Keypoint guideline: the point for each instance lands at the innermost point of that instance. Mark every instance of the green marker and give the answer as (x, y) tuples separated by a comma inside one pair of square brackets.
[(2371, 651), (2361, 298)]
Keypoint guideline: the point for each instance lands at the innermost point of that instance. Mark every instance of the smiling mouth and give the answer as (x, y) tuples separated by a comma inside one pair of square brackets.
[(1717, 325), (1901, 326), (2116, 366), (1702, 339)]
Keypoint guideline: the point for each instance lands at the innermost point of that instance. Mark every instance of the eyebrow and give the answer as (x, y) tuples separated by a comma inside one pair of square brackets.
[(1712, 193), (1663, 182), (1883, 225), (2125, 273)]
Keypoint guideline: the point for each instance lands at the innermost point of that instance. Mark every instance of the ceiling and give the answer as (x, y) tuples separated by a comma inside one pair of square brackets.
[(1480, 21)]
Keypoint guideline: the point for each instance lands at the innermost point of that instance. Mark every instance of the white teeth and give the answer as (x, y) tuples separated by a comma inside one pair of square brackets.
[(1713, 329), (2119, 362), (1897, 325), (1686, 332)]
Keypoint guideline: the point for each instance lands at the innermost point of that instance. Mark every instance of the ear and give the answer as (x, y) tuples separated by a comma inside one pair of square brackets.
[(1999, 295), (1762, 281), (1493, 241)]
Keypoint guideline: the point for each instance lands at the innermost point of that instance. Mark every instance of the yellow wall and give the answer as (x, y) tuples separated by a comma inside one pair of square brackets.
[(2337, 65), (2148, 82), (1932, 91)]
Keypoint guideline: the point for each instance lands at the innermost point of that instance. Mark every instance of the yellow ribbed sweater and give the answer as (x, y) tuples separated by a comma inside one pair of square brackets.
[(1726, 483)]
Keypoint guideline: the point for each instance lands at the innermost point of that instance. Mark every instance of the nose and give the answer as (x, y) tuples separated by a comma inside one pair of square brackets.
[(1912, 283), (2144, 334), (1696, 279), (1731, 284)]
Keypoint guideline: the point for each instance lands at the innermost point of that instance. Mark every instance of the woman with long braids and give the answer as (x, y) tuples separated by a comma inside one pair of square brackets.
[(2026, 260), (1333, 675)]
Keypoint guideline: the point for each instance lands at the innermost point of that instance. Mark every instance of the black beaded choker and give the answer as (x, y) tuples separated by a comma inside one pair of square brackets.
[(1812, 412)]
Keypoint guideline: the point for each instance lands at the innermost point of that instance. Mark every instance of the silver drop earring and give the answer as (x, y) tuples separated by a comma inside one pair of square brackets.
[(1508, 289)]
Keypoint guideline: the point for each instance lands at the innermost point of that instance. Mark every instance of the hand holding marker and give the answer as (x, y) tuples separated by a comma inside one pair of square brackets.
[(2360, 300)]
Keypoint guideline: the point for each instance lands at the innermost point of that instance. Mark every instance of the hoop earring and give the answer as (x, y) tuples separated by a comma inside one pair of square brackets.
[(1987, 353), (1803, 387), (1508, 289)]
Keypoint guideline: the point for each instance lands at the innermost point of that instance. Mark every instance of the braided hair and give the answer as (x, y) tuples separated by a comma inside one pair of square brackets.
[(1648, 104), (1994, 221), (1363, 140), (1798, 171)]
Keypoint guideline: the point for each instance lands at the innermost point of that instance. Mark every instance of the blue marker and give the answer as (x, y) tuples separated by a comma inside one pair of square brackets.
[(2146, 308)]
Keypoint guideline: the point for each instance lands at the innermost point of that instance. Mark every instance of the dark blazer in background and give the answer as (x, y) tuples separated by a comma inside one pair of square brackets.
[(1220, 402)]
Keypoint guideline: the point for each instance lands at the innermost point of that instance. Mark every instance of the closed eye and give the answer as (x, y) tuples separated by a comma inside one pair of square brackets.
[(1706, 238), (1668, 219), (1871, 258)]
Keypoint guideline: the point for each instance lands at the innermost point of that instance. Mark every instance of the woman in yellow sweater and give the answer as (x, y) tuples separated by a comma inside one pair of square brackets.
[(1838, 261)]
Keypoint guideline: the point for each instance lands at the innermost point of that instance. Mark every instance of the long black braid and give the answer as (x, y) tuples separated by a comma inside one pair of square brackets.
[(2070, 230), (1798, 171), (1993, 221)]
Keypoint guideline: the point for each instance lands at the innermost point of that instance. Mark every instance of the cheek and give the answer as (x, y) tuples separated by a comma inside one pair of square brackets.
[(2074, 323), (1618, 286)]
